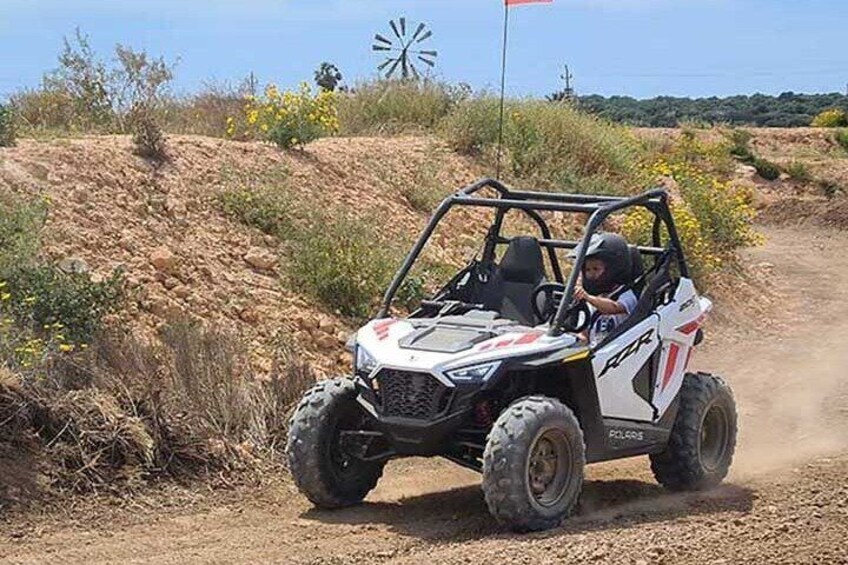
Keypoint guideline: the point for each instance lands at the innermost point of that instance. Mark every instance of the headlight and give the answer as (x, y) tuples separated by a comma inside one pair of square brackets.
[(474, 373), (365, 362)]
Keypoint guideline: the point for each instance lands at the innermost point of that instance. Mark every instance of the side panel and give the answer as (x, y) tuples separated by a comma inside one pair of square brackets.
[(617, 365), (678, 326)]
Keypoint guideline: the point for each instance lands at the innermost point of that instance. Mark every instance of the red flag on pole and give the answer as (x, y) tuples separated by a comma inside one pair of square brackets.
[(515, 2)]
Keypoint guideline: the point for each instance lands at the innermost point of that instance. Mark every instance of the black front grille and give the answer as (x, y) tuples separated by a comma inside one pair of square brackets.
[(408, 394)]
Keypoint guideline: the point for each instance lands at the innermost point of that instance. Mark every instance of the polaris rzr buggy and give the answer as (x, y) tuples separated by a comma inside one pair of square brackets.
[(495, 373)]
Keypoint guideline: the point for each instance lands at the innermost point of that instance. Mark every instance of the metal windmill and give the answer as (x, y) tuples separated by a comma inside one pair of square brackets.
[(404, 53)]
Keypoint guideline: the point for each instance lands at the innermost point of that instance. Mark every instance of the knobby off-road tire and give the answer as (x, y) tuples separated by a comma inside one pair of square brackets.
[(533, 464), (321, 470), (703, 438)]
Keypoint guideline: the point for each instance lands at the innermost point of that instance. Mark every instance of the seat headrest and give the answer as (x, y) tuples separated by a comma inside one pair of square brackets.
[(522, 261)]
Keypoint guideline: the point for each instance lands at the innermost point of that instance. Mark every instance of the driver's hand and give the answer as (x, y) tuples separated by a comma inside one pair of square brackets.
[(579, 293)]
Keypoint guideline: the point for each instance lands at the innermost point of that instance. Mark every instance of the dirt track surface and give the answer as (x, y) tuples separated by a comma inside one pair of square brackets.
[(786, 501)]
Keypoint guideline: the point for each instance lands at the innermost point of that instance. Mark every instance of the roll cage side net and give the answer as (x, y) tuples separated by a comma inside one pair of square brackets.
[(599, 208)]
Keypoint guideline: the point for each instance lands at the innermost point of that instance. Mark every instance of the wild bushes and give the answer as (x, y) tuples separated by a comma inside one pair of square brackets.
[(547, 145), (84, 94), (741, 149), (332, 256), (841, 138), (397, 106), (288, 119), (8, 127), (832, 118), (187, 406)]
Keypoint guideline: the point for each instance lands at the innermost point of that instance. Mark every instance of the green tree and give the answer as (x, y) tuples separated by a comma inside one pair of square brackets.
[(328, 76)]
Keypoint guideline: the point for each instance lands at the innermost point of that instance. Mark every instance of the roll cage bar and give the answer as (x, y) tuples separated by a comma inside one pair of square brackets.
[(600, 207)]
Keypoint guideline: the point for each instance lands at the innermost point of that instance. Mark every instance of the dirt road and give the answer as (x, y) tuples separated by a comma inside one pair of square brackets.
[(786, 501)]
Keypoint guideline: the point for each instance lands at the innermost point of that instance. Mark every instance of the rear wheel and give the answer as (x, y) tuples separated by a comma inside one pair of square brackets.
[(322, 470), (533, 464), (703, 439)]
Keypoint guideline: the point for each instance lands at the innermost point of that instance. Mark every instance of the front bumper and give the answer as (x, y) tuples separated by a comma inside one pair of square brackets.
[(419, 436)]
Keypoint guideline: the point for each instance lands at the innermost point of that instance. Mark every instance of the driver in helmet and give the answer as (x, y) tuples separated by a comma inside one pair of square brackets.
[(602, 284)]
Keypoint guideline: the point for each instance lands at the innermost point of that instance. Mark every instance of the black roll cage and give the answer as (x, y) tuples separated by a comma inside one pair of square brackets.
[(598, 206)]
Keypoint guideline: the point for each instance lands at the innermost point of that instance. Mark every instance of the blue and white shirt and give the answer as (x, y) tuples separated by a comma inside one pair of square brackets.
[(605, 324)]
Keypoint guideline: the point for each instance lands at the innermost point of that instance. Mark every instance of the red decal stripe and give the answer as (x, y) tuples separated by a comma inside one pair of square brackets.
[(692, 326), (673, 350), (383, 324), (381, 328), (503, 343), (529, 337)]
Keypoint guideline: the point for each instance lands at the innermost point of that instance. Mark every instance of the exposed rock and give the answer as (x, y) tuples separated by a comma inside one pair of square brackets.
[(258, 258), (163, 259), (74, 265), (182, 291)]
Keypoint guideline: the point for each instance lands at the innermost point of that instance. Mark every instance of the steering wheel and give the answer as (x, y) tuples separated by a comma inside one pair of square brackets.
[(577, 317)]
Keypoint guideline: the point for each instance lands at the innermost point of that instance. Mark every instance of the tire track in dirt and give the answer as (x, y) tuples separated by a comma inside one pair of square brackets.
[(786, 501)]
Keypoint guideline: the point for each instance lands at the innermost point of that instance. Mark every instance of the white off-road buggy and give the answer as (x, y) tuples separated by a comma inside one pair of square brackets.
[(494, 374)]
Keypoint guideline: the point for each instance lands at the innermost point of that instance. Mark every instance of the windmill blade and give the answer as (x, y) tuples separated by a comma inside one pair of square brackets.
[(427, 61), (395, 29), (380, 48), (382, 39), (433, 54), (385, 64), (403, 27), (393, 68), (421, 27), (414, 71), (426, 36)]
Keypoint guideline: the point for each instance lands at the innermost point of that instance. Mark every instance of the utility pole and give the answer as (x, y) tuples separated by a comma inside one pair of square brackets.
[(568, 93)]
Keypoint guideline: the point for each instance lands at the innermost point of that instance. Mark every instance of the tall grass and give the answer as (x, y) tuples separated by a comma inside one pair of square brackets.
[(391, 107), (551, 146)]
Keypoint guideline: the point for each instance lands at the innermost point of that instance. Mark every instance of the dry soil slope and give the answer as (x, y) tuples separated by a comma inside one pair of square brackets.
[(183, 256)]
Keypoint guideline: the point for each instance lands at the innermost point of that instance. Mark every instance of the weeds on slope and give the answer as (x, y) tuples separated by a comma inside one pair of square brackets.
[(104, 409), (188, 406), (398, 106), (552, 146)]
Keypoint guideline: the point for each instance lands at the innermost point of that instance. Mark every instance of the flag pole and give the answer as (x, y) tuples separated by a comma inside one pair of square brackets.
[(503, 89)]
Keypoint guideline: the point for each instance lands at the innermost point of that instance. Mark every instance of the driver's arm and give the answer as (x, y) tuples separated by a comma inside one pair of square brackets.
[(605, 306)]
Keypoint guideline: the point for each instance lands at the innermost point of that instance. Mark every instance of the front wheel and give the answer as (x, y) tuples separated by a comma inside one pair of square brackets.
[(533, 464), (703, 439), (329, 477)]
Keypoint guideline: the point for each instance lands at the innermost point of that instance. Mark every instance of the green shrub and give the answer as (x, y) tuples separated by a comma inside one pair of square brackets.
[(147, 135), (841, 137), (339, 262), (833, 118), (87, 83), (44, 110), (260, 200), (552, 146), (43, 296), (766, 169), (830, 188), (8, 129), (20, 224), (799, 171), (741, 150), (85, 94), (288, 119), (396, 106), (267, 210)]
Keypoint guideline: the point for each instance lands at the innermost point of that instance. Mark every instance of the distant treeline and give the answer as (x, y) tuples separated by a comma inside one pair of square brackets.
[(786, 110)]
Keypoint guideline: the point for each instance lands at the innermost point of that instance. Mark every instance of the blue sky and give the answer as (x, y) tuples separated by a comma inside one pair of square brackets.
[(640, 48)]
